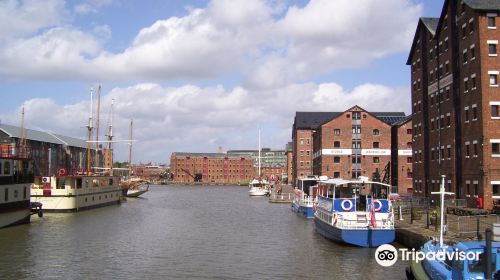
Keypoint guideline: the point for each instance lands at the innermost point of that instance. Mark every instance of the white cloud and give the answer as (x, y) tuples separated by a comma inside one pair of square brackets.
[(194, 119), (25, 17), (270, 47)]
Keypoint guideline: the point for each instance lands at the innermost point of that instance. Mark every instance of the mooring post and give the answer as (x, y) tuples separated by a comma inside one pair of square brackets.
[(487, 263)]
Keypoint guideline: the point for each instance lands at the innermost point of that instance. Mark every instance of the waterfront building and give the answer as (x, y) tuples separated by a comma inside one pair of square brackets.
[(289, 163), (268, 157), (455, 102), (339, 134), (149, 171), (355, 143), (401, 156), (51, 152), (220, 168)]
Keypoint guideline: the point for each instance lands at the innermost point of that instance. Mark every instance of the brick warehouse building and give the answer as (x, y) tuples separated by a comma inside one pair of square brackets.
[(307, 123), (401, 161), (217, 168), (356, 143), (455, 101)]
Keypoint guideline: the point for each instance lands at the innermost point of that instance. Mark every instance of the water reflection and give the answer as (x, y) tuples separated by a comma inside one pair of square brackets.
[(183, 232)]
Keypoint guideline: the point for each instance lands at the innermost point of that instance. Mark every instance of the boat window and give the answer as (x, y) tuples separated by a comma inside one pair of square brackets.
[(6, 194), (110, 182), (24, 193), (61, 183), (0, 168), (87, 183), (478, 265), (79, 183)]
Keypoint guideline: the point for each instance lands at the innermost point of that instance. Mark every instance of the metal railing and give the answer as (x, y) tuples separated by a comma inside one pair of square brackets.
[(474, 226)]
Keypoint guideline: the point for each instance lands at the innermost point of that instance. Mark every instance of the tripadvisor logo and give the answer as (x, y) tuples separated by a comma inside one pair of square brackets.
[(387, 255)]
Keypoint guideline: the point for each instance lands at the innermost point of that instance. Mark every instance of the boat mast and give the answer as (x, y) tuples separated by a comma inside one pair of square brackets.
[(89, 133), (130, 149), (97, 127), (259, 153), (442, 193), (110, 138), (22, 141)]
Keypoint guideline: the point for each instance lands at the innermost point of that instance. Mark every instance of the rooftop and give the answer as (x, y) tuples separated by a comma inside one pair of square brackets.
[(43, 136), (312, 120)]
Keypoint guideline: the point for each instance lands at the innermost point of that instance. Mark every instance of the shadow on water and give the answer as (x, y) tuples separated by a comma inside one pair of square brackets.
[(183, 232)]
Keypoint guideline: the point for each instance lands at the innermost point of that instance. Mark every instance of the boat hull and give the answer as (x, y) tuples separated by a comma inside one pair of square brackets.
[(358, 237), (303, 211), (257, 193), (16, 217), (135, 193)]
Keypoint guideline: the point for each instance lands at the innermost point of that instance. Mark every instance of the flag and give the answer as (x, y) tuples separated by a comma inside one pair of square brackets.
[(373, 221)]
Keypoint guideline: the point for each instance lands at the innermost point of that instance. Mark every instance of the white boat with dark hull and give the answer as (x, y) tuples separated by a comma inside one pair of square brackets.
[(16, 177), (75, 193)]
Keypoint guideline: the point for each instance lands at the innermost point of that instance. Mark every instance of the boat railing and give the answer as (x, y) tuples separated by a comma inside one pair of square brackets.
[(281, 196), (307, 200)]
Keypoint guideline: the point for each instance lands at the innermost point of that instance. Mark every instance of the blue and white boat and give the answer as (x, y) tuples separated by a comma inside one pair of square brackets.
[(356, 212), (304, 198), (463, 260)]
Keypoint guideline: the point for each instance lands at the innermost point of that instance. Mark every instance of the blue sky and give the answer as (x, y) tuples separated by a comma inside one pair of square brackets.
[(199, 75)]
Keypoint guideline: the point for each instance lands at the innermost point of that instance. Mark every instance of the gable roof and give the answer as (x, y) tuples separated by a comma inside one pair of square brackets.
[(430, 24), (40, 136), (312, 120), (484, 5)]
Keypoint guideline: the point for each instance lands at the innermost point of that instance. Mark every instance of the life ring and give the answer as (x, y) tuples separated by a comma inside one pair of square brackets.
[(378, 205), (348, 208), (61, 172)]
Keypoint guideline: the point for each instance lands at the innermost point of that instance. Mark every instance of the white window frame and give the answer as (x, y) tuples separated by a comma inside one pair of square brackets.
[(492, 42), (495, 103)]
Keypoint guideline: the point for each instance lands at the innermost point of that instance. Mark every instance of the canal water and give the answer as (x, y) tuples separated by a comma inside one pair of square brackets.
[(183, 232)]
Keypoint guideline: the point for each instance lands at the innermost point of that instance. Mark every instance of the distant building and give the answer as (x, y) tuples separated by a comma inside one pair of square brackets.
[(289, 163), (455, 94), (306, 126), (217, 168), (149, 171), (51, 152), (268, 157)]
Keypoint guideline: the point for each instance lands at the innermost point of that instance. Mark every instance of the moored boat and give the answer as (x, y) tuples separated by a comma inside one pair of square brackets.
[(76, 192), (304, 196), (136, 187), (344, 214), (258, 187), (16, 177)]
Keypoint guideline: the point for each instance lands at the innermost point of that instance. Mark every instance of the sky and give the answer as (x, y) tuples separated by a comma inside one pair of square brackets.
[(201, 75)]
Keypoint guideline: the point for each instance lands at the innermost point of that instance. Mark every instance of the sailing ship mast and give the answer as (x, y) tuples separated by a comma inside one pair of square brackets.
[(89, 133), (259, 153), (97, 127), (110, 139), (22, 141), (130, 149)]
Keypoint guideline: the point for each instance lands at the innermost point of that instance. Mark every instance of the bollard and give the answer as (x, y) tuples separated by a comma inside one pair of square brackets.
[(477, 229), (487, 252), (427, 217)]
